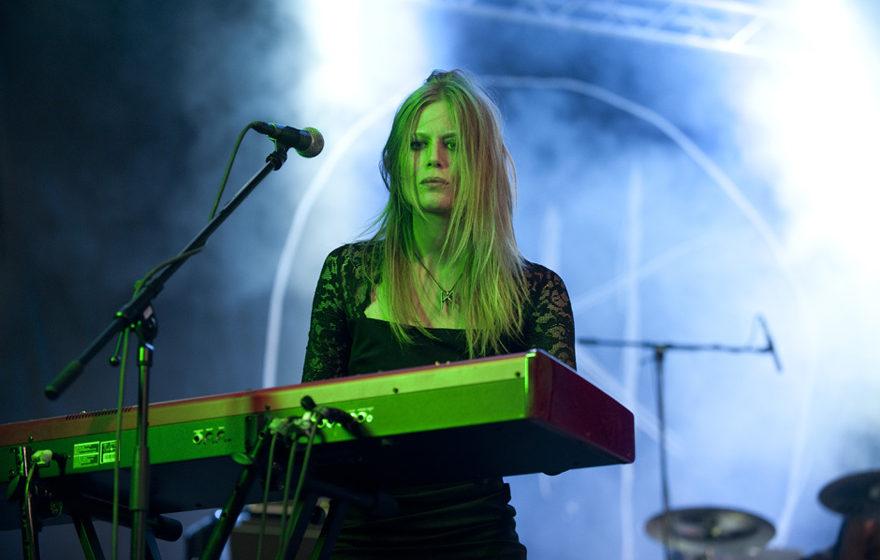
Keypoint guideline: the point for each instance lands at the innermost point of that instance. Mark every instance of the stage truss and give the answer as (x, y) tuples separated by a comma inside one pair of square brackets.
[(749, 28)]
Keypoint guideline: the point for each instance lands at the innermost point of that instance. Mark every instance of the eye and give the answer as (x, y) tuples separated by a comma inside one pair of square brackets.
[(416, 145), (451, 145)]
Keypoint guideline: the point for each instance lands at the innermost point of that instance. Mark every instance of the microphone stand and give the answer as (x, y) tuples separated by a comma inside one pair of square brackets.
[(138, 500), (659, 349), (138, 314)]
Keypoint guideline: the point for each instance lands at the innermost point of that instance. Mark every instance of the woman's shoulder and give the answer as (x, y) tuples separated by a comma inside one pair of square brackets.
[(353, 249), (351, 261), (539, 275), (544, 285), (354, 253)]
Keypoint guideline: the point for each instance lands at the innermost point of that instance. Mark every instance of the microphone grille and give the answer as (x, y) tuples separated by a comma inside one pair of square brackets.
[(316, 146)]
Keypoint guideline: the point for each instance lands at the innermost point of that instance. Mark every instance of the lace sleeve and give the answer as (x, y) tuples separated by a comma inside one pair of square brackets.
[(550, 325), (329, 343)]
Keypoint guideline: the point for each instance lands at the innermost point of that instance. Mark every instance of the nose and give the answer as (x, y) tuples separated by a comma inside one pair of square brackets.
[(436, 157)]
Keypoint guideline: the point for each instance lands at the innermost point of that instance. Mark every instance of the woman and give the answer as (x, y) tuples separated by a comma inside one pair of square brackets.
[(441, 280)]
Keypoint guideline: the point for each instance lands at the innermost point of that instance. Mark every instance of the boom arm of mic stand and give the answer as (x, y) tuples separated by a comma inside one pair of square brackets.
[(135, 307)]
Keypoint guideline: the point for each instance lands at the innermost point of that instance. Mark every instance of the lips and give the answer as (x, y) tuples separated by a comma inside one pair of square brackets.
[(433, 181)]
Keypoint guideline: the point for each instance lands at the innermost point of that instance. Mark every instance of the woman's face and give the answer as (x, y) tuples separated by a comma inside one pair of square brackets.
[(435, 159)]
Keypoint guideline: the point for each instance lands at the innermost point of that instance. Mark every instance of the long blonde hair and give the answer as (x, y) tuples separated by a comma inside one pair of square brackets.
[(492, 290)]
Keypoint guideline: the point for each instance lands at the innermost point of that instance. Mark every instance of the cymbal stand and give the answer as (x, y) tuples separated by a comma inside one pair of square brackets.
[(659, 350)]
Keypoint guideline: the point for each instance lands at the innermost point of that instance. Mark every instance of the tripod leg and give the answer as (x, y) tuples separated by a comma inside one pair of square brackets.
[(332, 528), (88, 538), (152, 548), (302, 516), (229, 515), (235, 503)]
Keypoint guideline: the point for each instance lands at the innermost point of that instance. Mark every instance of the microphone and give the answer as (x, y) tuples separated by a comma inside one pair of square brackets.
[(770, 347), (307, 143)]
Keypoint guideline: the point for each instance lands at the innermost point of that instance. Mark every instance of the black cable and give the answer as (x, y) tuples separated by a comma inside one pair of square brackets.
[(188, 254), (266, 496), (155, 270), (283, 427), (31, 549), (285, 498), (228, 168), (27, 480), (118, 443), (288, 530)]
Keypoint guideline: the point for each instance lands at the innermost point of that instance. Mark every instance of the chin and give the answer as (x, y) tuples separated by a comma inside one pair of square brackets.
[(444, 212), (441, 207)]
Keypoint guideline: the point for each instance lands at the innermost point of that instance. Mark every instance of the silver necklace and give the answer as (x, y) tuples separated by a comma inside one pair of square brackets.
[(447, 297)]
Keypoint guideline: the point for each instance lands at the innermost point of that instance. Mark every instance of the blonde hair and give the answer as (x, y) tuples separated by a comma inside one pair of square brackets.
[(492, 290)]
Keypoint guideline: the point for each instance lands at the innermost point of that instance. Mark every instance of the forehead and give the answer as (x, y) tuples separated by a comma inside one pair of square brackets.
[(436, 117)]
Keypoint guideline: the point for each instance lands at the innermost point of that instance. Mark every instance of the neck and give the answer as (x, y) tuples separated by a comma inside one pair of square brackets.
[(429, 234), (439, 274)]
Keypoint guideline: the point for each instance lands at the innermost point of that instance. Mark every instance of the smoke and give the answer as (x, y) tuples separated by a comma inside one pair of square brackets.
[(118, 123), (708, 259)]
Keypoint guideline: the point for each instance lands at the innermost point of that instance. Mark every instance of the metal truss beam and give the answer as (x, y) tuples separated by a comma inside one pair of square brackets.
[(742, 27)]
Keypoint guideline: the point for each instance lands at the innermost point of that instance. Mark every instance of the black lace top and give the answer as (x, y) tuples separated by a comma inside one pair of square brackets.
[(468, 520), (343, 341)]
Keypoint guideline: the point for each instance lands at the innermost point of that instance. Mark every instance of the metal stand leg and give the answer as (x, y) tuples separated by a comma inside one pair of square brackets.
[(302, 515), (332, 528), (151, 548), (88, 538), (139, 500), (235, 503), (91, 546), (341, 498)]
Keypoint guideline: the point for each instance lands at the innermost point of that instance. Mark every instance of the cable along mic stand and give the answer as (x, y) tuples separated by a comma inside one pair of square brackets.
[(659, 350), (139, 316)]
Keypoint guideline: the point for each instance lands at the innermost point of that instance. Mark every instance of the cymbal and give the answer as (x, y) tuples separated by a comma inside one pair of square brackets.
[(698, 530), (855, 495)]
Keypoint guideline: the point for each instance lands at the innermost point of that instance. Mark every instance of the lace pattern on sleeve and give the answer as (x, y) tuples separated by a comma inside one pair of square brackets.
[(550, 325), (342, 292)]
